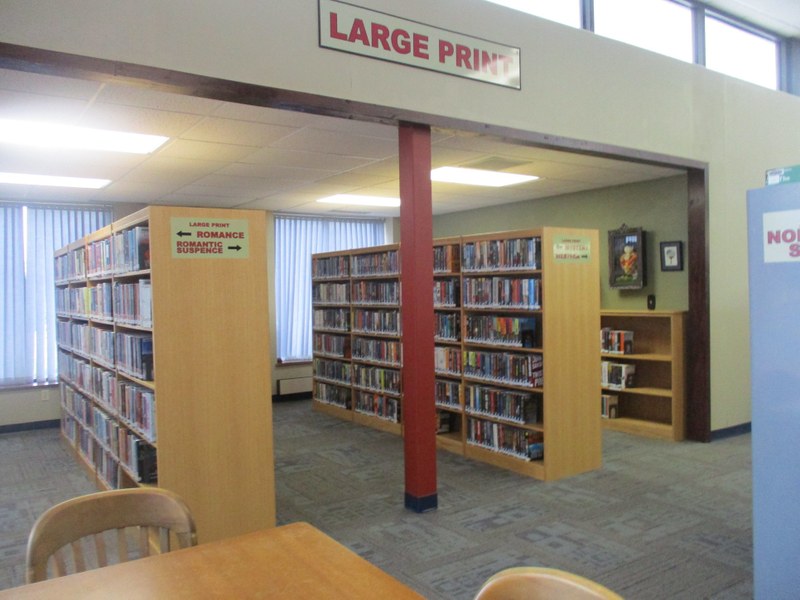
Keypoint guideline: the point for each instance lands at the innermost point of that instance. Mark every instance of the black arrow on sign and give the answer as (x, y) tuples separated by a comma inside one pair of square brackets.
[(183, 233), (237, 248)]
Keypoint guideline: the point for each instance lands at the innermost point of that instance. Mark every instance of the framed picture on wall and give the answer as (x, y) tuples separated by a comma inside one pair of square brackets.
[(672, 256), (627, 265)]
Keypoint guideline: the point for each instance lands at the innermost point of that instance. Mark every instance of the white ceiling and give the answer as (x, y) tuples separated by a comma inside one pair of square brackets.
[(780, 16), (229, 155)]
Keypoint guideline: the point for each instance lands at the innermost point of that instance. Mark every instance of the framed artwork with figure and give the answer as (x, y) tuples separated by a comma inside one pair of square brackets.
[(627, 265)]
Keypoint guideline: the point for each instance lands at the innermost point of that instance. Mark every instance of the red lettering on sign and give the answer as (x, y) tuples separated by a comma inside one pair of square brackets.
[(463, 56), (400, 41), (380, 35), (794, 250), (785, 236), (446, 49), (421, 46), (335, 33), (358, 32)]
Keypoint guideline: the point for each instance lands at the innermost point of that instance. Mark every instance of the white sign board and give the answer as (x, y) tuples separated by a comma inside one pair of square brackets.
[(782, 236), (366, 32)]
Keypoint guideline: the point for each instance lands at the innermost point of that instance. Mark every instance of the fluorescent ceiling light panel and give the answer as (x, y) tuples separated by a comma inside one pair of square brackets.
[(52, 180), (360, 200), (51, 135), (478, 177)]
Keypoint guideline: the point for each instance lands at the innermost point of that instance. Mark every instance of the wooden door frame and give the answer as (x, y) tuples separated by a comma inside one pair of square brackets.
[(698, 401)]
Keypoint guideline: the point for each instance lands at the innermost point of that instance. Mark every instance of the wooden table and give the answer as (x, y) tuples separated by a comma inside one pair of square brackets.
[(293, 561)]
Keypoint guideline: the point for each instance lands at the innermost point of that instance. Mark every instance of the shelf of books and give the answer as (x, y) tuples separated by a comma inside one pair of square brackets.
[(529, 302), (357, 333), (163, 360), (516, 318), (642, 372), (448, 384)]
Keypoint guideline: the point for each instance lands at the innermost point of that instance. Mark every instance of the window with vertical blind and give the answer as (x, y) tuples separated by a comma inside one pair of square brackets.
[(30, 235), (296, 239)]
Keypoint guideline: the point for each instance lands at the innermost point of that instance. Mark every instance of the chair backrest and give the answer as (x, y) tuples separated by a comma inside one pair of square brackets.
[(107, 527), (539, 583)]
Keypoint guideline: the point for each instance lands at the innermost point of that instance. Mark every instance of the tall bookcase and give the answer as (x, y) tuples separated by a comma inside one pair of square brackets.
[(357, 329), (516, 322), (654, 405), (164, 360)]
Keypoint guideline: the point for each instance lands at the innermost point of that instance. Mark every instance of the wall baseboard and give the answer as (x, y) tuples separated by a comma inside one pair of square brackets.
[(721, 434), (17, 427)]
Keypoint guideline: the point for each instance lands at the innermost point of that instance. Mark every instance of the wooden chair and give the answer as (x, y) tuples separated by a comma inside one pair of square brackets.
[(538, 583), (99, 529)]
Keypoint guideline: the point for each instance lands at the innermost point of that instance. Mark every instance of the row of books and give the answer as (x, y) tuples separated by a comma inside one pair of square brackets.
[(505, 439), (330, 293), (446, 259), (73, 301), (616, 341), (332, 318), (509, 331), (378, 350), (98, 258), (502, 404), (134, 405), (505, 368), (332, 394), (332, 370), (376, 321), (124, 303), (447, 393), (447, 360), (609, 406), (70, 266), (330, 266), (378, 263), (502, 292), (134, 354), (332, 345), (447, 326), (377, 405), (445, 293), (376, 292), (133, 303), (377, 378), (117, 444), (131, 250), (511, 254), (617, 376)]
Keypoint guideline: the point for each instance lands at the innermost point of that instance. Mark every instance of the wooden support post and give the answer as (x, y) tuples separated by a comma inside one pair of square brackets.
[(416, 256)]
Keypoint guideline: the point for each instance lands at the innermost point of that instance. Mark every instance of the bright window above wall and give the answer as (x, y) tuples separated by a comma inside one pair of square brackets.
[(567, 12), (658, 25), (739, 53)]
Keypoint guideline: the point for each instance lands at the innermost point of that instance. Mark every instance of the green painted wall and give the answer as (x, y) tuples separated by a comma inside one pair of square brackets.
[(658, 206)]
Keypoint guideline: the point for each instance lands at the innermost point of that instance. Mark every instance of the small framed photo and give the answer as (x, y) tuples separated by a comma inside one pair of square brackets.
[(626, 258), (672, 256)]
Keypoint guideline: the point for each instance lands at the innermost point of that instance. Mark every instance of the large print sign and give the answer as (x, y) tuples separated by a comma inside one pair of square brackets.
[(374, 34)]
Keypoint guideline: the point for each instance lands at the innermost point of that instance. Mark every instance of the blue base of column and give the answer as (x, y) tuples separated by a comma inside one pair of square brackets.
[(423, 504)]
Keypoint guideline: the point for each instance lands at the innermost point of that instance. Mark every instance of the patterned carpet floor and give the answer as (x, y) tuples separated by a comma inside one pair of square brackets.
[(659, 521)]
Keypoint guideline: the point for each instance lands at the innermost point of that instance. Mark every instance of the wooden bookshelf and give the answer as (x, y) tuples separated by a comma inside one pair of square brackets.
[(551, 306), (357, 336), (654, 406), (201, 412)]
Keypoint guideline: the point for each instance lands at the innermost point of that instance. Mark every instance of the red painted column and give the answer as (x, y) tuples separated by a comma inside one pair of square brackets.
[(416, 260)]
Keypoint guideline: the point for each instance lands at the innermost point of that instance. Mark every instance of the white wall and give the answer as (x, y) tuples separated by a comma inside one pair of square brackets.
[(574, 84)]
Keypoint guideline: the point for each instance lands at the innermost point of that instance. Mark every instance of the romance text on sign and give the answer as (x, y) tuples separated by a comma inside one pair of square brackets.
[(209, 238)]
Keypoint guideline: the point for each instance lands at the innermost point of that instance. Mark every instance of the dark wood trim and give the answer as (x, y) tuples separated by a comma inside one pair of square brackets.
[(49, 62), (698, 329)]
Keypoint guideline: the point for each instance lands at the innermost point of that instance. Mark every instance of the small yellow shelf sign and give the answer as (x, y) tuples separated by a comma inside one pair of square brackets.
[(200, 237), (571, 249)]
